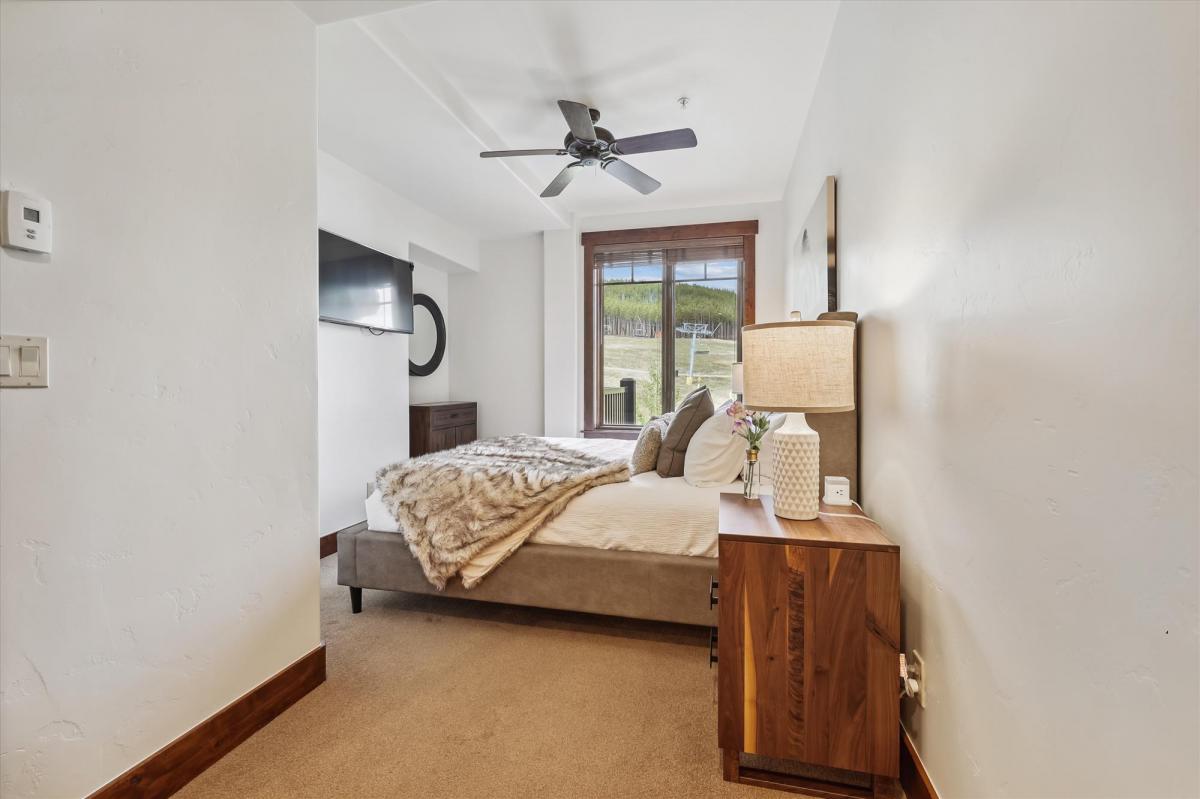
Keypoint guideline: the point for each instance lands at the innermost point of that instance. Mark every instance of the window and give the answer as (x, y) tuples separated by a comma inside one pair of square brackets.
[(663, 310)]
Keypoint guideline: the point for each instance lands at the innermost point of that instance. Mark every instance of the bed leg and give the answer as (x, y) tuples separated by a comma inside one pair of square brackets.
[(355, 599)]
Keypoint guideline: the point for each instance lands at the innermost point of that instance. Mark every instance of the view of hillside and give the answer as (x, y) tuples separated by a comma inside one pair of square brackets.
[(632, 316), (627, 305)]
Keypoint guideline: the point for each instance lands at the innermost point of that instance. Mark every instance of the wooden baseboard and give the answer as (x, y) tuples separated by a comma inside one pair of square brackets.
[(329, 540), (810, 787), (182, 760), (913, 777)]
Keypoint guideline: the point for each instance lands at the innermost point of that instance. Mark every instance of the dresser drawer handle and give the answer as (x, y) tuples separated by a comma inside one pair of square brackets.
[(713, 596), (712, 646)]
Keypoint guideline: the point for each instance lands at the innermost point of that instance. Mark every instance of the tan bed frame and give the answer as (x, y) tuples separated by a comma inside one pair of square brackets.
[(636, 585)]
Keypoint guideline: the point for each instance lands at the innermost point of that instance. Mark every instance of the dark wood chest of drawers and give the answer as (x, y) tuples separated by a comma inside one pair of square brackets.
[(434, 426), (808, 645)]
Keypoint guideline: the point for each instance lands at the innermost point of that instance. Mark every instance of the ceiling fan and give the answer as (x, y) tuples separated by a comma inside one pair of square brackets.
[(590, 145)]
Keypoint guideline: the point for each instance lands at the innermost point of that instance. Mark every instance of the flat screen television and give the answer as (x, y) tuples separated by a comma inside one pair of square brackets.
[(364, 287)]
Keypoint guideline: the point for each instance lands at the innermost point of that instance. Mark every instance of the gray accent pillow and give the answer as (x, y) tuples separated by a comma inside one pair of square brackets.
[(691, 412), (645, 451)]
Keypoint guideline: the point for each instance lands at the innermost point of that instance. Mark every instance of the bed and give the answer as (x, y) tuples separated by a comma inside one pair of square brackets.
[(642, 549)]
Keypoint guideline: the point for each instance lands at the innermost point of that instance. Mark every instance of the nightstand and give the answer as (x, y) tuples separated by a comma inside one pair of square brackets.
[(808, 650), (434, 426)]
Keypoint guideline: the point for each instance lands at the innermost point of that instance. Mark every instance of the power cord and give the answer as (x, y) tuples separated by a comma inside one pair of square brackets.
[(861, 515)]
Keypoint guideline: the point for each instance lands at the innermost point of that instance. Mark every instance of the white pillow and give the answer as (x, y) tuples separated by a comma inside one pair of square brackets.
[(714, 455), (378, 516), (766, 453)]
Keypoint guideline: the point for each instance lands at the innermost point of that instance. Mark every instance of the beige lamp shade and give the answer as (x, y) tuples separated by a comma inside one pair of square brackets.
[(799, 367), (737, 378)]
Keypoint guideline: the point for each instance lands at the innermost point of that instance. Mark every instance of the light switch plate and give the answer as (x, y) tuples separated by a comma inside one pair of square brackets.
[(26, 362)]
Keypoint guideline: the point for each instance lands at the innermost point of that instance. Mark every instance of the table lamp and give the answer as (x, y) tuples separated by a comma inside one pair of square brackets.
[(798, 367), (737, 379)]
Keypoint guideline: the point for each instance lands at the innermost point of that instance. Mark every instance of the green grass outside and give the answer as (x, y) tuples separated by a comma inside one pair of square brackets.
[(640, 358)]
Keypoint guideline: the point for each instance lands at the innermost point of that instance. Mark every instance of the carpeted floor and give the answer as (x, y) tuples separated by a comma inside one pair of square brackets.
[(434, 697)]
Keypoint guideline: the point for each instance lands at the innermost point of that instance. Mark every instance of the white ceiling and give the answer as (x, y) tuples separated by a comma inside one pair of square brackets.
[(411, 96)]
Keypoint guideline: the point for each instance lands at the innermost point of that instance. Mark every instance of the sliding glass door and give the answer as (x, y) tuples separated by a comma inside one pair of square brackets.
[(666, 318)]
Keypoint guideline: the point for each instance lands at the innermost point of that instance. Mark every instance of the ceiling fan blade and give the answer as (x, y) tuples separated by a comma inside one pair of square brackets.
[(579, 119), (653, 142), (631, 176), (511, 153), (561, 180)]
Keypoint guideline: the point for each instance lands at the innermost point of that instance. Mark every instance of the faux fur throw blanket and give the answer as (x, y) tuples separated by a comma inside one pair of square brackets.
[(453, 503)]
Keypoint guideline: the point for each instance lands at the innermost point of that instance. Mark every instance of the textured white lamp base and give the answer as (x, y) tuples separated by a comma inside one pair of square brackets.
[(797, 469)]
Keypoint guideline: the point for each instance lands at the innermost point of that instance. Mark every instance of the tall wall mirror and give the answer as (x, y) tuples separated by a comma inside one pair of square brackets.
[(813, 269)]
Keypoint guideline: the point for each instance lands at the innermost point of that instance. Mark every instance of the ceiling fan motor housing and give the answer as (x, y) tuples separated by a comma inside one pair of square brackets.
[(590, 153)]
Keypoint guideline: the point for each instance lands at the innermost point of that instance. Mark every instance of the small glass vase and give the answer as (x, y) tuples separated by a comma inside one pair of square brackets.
[(750, 474)]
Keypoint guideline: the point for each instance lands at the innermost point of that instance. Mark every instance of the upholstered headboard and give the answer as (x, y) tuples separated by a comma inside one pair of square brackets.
[(839, 431)]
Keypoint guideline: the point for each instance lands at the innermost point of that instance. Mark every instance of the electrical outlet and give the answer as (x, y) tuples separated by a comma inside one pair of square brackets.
[(916, 670)]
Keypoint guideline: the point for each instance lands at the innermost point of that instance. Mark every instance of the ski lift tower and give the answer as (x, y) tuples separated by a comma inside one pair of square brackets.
[(696, 330)]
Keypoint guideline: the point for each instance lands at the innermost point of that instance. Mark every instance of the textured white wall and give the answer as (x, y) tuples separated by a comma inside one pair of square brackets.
[(563, 293), (496, 337), (1018, 216), (364, 387), (562, 332), (158, 501), (363, 408)]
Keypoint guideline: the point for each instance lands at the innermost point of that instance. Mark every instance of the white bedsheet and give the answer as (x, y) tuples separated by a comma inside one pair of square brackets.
[(647, 514)]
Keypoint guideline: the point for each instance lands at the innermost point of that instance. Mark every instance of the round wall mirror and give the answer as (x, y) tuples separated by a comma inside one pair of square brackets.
[(427, 345)]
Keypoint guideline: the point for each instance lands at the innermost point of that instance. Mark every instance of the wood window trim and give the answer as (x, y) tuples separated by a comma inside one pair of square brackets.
[(746, 229), (714, 230)]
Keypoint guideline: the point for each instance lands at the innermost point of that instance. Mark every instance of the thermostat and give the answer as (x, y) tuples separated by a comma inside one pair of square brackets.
[(27, 222)]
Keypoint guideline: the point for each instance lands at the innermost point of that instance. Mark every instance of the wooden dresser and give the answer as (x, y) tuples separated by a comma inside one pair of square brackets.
[(808, 649), (434, 426)]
